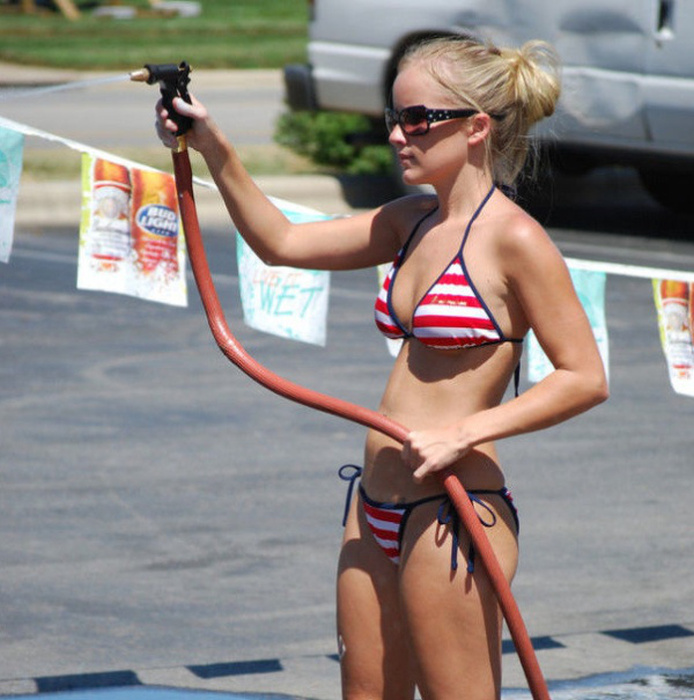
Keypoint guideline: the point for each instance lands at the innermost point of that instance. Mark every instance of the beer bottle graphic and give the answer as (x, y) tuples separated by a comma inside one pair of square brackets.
[(110, 221), (677, 328), (155, 223)]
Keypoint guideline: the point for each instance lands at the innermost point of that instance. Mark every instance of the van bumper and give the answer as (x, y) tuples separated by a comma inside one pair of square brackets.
[(300, 92)]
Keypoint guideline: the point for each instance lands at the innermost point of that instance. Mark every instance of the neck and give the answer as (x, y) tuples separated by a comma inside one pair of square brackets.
[(462, 197)]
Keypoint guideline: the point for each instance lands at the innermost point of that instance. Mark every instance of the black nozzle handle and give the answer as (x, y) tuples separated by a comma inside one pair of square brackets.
[(173, 82)]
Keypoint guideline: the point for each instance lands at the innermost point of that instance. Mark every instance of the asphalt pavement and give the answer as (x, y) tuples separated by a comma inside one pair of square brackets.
[(155, 530)]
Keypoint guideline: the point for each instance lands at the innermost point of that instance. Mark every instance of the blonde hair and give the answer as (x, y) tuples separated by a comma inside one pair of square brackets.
[(521, 84)]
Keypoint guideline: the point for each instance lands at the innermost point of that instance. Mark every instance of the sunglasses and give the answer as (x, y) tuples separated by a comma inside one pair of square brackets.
[(416, 120)]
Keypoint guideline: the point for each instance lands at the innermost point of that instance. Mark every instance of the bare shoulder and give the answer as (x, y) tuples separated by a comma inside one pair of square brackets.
[(523, 244), (402, 214)]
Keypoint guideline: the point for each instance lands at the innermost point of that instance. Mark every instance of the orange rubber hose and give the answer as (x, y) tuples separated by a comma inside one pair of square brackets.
[(238, 356)]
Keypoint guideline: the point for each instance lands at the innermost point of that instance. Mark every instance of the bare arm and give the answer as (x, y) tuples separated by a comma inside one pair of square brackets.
[(541, 283), (352, 242)]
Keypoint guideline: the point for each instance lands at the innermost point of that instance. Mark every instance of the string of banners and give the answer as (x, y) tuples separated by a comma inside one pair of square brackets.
[(131, 242)]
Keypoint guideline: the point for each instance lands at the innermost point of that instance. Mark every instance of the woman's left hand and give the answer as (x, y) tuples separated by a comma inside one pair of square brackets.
[(429, 451)]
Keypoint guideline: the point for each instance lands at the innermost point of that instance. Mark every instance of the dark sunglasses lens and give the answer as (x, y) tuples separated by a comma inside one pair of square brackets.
[(391, 119), (414, 120)]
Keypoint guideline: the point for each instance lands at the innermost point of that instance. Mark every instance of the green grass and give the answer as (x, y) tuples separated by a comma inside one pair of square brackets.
[(271, 159), (242, 34), (227, 34)]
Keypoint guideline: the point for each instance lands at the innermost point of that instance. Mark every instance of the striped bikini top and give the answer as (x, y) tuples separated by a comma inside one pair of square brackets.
[(451, 315)]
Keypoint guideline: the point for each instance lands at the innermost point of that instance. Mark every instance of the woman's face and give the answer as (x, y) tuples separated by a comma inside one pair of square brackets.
[(442, 151)]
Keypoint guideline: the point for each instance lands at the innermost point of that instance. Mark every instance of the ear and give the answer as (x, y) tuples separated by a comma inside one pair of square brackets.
[(479, 128)]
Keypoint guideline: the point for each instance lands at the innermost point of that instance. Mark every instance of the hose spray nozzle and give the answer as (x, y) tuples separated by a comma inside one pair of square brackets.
[(173, 82)]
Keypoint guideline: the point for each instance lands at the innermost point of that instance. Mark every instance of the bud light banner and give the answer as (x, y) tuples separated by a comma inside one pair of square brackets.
[(284, 301), (11, 156), (130, 235), (674, 302)]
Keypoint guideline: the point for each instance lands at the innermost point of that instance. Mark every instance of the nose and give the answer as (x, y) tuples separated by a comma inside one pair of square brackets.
[(396, 136)]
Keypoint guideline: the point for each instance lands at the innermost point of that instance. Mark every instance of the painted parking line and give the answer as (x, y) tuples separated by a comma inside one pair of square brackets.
[(632, 635), (113, 685), (154, 693), (641, 635)]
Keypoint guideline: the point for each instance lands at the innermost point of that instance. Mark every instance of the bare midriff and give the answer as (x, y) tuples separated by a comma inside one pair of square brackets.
[(428, 389)]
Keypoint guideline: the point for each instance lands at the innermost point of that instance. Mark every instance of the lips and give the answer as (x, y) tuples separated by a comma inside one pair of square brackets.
[(404, 158)]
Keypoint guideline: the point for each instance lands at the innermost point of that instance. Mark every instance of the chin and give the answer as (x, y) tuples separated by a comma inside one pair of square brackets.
[(413, 185), (411, 177)]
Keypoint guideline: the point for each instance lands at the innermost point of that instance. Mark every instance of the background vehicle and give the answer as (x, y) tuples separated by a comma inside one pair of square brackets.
[(628, 72)]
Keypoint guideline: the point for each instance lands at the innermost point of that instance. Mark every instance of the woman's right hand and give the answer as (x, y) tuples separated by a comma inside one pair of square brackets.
[(167, 127)]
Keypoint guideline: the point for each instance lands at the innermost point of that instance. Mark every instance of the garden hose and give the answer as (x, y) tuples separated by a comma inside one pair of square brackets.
[(173, 81)]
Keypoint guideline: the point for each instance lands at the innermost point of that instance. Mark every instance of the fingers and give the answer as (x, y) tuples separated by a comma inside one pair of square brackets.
[(421, 473), (428, 451), (166, 132), (425, 468), (166, 127), (193, 109), (414, 458)]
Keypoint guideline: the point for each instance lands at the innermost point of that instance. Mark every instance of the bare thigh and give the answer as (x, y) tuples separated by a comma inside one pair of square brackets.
[(376, 658), (453, 618)]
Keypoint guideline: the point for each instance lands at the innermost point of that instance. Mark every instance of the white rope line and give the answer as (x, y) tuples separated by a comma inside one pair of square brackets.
[(607, 267)]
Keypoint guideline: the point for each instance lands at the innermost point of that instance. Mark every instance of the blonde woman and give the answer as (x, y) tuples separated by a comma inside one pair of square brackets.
[(472, 273)]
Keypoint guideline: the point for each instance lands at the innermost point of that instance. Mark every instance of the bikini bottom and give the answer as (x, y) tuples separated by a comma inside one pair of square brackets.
[(387, 521)]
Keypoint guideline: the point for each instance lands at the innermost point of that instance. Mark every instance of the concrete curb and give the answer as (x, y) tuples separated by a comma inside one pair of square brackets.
[(58, 203)]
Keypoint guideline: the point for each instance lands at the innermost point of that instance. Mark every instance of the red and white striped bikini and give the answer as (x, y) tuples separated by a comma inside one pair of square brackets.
[(387, 521), (451, 315)]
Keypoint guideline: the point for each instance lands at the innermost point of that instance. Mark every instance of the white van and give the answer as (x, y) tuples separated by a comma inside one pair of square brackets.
[(628, 71)]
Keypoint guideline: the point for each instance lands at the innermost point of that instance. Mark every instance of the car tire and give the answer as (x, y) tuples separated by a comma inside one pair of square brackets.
[(670, 188)]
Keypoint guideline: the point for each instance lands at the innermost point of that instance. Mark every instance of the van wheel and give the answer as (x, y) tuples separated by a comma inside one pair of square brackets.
[(670, 188)]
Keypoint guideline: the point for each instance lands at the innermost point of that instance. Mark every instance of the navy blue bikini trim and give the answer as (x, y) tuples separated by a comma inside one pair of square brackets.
[(446, 515)]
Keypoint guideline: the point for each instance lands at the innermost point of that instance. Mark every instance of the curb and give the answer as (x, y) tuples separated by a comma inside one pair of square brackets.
[(58, 203)]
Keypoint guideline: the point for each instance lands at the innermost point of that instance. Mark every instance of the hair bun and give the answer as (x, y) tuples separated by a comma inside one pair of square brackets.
[(534, 78)]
